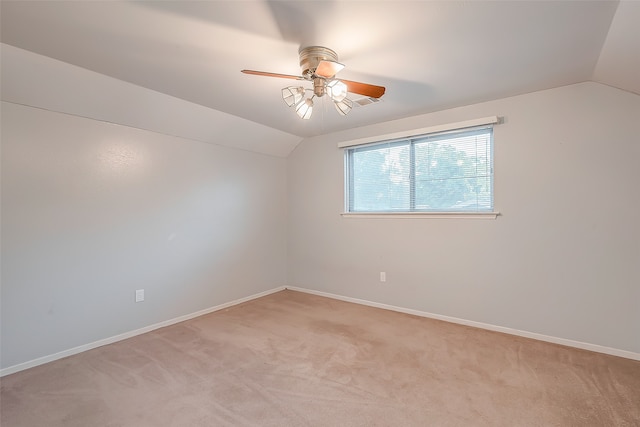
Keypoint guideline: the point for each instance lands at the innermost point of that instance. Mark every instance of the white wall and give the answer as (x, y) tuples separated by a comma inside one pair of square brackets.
[(92, 211), (562, 260)]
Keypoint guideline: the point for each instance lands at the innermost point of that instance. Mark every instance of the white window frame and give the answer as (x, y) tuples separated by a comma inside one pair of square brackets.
[(459, 126)]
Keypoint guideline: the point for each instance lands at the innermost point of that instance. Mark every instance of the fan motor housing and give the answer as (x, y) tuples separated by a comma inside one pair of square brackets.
[(311, 56)]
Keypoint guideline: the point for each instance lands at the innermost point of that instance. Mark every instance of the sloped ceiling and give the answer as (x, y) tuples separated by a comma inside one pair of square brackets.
[(619, 61), (178, 62)]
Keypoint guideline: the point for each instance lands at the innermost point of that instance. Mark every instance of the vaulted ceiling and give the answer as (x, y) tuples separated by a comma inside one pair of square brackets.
[(186, 57)]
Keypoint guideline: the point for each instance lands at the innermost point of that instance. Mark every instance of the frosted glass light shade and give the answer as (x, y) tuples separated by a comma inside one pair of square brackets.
[(337, 90), (292, 95), (304, 108), (344, 106)]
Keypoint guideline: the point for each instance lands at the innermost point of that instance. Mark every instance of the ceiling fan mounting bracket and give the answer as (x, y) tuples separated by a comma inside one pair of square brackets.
[(311, 56)]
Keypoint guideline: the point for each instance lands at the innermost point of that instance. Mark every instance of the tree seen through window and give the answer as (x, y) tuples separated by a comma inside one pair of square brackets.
[(451, 172)]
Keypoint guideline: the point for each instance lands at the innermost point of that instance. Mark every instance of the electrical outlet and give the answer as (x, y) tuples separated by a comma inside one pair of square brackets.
[(383, 276), (139, 295)]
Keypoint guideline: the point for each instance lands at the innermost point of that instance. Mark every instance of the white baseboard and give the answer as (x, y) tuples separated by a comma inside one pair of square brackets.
[(562, 341), (45, 359)]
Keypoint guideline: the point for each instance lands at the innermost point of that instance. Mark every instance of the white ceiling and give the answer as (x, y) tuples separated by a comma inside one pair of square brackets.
[(430, 55)]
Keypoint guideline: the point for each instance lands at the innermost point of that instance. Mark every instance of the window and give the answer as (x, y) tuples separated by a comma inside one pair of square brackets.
[(450, 171)]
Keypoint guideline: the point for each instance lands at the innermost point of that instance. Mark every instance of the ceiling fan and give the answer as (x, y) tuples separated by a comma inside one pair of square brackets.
[(320, 65)]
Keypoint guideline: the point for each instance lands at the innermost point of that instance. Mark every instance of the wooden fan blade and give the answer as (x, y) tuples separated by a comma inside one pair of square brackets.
[(328, 68), (264, 73), (364, 89)]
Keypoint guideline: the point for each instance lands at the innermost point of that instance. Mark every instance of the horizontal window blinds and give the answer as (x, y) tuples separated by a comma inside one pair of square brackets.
[(440, 172)]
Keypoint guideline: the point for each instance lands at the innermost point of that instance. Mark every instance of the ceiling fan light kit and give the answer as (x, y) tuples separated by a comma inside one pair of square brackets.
[(337, 90), (292, 95), (304, 108), (344, 106), (320, 65)]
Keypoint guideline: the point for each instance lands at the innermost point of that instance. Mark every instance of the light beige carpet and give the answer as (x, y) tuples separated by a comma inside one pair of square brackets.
[(293, 359)]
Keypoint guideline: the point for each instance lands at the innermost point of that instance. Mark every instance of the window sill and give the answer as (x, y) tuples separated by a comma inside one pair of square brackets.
[(433, 215)]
